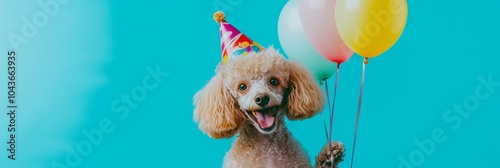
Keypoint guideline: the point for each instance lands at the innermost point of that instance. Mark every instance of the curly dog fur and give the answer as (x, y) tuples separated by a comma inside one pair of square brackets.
[(250, 96)]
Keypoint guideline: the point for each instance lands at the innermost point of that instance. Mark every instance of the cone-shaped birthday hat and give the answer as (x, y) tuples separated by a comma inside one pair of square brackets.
[(233, 42)]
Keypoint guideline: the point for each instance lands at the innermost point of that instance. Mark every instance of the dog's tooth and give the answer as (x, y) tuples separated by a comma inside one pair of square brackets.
[(254, 114)]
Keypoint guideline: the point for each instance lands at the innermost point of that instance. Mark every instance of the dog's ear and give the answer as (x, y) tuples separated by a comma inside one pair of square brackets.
[(305, 98), (216, 111)]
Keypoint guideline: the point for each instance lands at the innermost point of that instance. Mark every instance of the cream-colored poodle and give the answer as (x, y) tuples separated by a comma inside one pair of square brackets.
[(250, 96)]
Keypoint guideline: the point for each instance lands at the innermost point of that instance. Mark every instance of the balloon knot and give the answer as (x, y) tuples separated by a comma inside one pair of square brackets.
[(219, 16), (366, 60)]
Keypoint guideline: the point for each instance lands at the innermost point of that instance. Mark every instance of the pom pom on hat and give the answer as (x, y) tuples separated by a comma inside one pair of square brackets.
[(219, 16)]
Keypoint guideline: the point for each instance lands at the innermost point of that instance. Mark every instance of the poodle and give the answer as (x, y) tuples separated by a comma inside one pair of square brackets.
[(250, 96)]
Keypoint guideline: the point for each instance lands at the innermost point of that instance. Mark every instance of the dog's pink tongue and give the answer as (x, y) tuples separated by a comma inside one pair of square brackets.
[(265, 120)]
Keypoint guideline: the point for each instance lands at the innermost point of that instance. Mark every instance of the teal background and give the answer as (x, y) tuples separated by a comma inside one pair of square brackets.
[(90, 53)]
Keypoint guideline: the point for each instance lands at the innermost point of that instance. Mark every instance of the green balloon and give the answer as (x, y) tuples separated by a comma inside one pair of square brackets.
[(296, 45)]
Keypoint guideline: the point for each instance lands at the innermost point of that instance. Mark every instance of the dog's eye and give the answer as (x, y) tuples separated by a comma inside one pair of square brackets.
[(274, 82), (242, 87)]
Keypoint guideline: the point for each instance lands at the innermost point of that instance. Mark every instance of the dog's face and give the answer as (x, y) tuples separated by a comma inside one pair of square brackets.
[(260, 89), (260, 98), (258, 84)]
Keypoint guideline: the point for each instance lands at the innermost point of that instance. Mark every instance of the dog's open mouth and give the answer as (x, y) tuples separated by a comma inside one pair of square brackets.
[(264, 117)]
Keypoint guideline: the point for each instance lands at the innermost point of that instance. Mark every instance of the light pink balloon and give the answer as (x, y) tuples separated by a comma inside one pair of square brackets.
[(318, 21)]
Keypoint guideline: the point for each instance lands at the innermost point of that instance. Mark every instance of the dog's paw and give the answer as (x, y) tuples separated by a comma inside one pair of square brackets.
[(328, 156)]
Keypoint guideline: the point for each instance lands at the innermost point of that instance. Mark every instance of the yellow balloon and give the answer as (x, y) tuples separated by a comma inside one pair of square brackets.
[(370, 27)]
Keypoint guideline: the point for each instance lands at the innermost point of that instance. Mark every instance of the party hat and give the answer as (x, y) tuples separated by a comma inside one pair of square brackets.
[(233, 42)]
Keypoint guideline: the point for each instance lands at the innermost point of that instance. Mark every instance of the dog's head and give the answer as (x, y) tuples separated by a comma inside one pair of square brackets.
[(256, 89)]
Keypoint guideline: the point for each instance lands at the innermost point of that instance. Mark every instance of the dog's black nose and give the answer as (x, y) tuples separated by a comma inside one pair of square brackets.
[(262, 99)]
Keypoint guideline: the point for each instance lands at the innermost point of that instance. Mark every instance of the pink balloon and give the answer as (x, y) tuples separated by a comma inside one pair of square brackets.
[(318, 21)]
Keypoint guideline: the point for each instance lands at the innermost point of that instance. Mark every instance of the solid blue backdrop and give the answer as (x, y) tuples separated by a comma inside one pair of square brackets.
[(83, 74)]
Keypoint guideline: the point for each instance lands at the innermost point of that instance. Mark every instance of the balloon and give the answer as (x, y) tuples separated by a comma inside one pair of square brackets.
[(318, 18), (370, 27), (296, 45)]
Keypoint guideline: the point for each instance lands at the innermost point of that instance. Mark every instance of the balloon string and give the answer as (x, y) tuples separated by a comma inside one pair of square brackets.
[(324, 124), (333, 110), (323, 114), (359, 110), (333, 104)]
